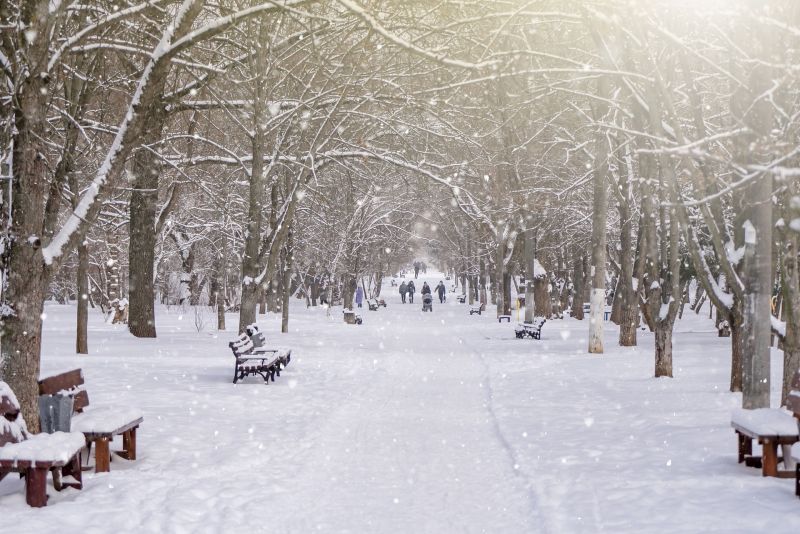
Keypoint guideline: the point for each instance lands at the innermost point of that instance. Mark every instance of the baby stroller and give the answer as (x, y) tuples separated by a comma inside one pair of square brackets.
[(427, 302)]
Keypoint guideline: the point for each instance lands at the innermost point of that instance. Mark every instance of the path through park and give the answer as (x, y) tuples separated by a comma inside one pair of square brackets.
[(425, 422)]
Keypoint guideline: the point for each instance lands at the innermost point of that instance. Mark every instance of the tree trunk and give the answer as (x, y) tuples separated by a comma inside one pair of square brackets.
[(287, 283), (499, 276), (757, 312), (577, 288), (663, 341), (529, 238), (541, 300), (142, 235), (82, 336), (737, 351)]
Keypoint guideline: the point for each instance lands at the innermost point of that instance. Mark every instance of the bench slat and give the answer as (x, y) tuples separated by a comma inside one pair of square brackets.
[(65, 381)]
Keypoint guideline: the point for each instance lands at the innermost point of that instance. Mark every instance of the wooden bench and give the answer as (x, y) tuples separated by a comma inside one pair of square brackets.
[(461, 299), (98, 425), (532, 330), (33, 456), (372, 304), (501, 318), (476, 309)]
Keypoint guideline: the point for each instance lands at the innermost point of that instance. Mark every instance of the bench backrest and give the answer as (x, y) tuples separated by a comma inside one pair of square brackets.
[(242, 345), (256, 335), (68, 383)]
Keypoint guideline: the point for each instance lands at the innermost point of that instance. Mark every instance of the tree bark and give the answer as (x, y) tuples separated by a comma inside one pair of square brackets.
[(82, 323), (142, 237), (287, 282), (529, 237)]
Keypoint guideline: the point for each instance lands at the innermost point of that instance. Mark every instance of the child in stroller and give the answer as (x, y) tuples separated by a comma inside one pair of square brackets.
[(427, 302)]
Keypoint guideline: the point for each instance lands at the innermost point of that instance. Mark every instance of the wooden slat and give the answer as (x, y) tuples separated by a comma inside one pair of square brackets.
[(54, 384), (80, 401)]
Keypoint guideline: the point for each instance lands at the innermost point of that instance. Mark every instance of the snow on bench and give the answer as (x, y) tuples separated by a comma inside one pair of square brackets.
[(476, 309), (765, 422), (105, 420), (57, 448)]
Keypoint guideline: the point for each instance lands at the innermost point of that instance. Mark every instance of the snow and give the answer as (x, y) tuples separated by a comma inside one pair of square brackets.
[(749, 232), (766, 421), (56, 447), (423, 422), (538, 270)]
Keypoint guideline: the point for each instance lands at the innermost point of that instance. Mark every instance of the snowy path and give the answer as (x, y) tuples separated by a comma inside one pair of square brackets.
[(416, 422)]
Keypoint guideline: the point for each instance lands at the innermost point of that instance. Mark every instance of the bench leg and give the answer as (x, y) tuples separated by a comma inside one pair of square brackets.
[(797, 479), (745, 446), (74, 470), (769, 466), (36, 486), (128, 445), (102, 456)]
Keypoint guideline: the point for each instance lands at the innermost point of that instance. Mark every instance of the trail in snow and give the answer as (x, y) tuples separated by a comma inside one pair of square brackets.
[(411, 422)]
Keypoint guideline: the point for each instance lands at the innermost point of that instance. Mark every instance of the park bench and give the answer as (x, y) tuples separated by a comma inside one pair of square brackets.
[(771, 427), (250, 360), (501, 318), (476, 309), (372, 304), (461, 299), (532, 330), (99, 426), (33, 456)]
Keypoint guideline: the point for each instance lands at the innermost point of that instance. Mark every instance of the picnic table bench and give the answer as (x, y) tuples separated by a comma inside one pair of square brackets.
[(33, 456), (99, 426), (770, 427), (532, 330)]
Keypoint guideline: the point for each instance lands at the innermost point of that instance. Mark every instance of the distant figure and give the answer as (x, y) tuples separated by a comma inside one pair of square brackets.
[(416, 270), (411, 288), (442, 292), (359, 296), (403, 291)]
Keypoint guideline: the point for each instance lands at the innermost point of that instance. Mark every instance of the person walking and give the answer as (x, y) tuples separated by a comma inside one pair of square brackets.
[(359, 296), (442, 291), (416, 270), (411, 288), (426, 289), (403, 291)]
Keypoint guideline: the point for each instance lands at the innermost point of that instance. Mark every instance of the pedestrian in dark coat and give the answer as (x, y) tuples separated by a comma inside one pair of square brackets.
[(411, 288), (403, 291), (442, 291)]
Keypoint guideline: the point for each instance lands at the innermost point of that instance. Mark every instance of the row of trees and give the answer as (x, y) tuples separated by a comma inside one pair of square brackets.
[(245, 149)]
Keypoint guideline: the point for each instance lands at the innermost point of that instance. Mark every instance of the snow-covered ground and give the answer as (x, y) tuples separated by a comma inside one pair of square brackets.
[(412, 422)]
